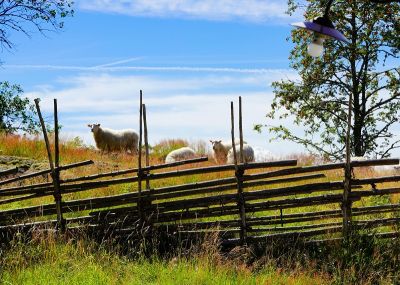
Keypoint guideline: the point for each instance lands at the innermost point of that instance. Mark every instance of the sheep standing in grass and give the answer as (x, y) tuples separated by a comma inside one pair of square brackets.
[(179, 154), (248, 154), (221, 149), (115, 140)]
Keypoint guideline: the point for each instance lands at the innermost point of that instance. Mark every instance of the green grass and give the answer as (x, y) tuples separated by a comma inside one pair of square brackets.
[(71, 260), (48, 261)]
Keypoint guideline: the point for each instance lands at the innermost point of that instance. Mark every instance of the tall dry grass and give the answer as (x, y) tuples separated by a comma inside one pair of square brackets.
[(69, 260)]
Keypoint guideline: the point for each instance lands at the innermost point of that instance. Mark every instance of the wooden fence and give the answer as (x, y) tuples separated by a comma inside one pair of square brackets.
[(267, 207), (253, 201)]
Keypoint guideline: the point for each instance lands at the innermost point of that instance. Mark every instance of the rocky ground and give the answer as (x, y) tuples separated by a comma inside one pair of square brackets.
[(24, 164)]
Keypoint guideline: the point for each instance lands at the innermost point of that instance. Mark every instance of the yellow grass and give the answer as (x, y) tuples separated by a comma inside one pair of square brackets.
[(42, 261), (73, 151)]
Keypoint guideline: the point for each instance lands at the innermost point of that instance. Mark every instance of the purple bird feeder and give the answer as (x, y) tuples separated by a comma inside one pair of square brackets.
[(322, 28)]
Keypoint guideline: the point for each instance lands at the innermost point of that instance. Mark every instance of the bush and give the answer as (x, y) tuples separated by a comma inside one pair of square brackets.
[(161, 149)]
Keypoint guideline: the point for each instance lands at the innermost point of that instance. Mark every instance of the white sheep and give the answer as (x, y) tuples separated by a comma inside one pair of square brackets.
[(179, 154), (248, 154), (221, 149), (115, 140)]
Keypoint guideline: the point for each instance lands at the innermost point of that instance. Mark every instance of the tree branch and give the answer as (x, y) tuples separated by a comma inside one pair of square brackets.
[(382, 103)]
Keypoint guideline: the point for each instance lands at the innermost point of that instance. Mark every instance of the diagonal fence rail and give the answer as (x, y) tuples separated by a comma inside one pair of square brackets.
[(250, 202), (273, 200)]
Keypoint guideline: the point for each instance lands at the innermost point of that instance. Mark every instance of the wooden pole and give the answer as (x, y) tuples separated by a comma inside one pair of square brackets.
[(57, 193), (43, 172), (241, 130), (10, 171), (58, 197), (139, 175), (56, 139), (147, 203), (285, 236), (146, 145), (233, 137), (346, 206), (239, 177), (239, 181), (132, 170)]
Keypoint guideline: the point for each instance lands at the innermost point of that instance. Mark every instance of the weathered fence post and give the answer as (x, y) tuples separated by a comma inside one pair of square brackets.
[(346, 206), (147, 202), (139, 173), (57, 164), (54, 172), (239, 180), (241, 130), (146, 145)]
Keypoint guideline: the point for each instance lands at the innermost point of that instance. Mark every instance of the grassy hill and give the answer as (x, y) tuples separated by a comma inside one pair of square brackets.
[(50, 259)]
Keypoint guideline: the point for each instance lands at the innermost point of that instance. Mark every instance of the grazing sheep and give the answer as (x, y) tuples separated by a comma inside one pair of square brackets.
[(115, 140), (221, 149), (179, 154), (248, 154)]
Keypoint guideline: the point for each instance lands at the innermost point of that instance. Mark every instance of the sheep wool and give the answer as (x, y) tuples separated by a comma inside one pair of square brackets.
[(179, 154), (221, 149), (248, 154), (115, 140)]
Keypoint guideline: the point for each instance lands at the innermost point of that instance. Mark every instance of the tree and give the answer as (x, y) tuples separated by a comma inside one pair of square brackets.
[(19, 15), (16, 113), (367, 67)]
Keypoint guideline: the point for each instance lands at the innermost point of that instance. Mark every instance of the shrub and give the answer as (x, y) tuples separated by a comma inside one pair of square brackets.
[(161, 149)]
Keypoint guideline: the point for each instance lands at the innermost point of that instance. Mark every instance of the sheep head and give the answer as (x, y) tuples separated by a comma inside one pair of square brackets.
[(94, 127), (217, 145)]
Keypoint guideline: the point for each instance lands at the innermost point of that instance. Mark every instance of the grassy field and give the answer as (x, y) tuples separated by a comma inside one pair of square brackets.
[(47, 260), (78, 260)]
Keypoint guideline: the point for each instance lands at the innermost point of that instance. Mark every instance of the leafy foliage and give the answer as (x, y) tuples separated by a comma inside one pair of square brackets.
[(16, 113), (367, 68), (164, 147), (20, 15)]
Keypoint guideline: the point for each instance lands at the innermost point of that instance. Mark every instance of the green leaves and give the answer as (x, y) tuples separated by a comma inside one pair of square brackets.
[(21, 15), (16, 113), (319, 101)]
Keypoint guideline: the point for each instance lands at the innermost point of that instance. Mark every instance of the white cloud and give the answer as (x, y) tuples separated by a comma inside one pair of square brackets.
[(110, 93), (110, 68), (187, 108), (248, 10), (119, 62)]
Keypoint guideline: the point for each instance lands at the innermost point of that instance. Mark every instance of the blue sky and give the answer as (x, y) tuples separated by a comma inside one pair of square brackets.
[(190, 58)]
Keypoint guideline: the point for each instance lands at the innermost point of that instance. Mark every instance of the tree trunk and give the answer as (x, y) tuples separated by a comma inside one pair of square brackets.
[(357, 135), (357, 131)]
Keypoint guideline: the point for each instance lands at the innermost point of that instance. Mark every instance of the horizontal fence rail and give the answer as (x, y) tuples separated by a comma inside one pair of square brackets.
[(273, 201), (7, 172), (135, 170), (44, 172)]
